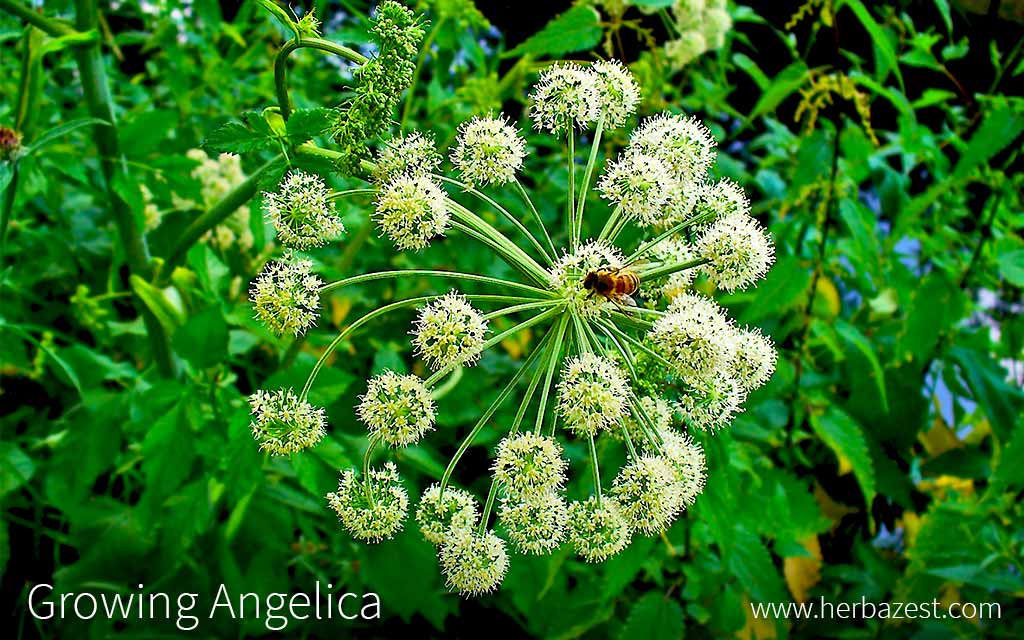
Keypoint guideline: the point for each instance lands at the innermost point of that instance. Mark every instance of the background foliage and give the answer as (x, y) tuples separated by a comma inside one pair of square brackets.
[(878, 141)]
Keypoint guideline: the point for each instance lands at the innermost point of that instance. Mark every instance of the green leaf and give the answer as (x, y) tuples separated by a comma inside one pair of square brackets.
[(787, 82), (998, 130), (1011, 266), (305, 124), (934, 306), (947, 19), (167, 453), (203, 339), (654, 617), (578, 29), (253, 134), (16, 468), (846, 439), (779, 291), (986, 379), (855, 338), (885, 55), (62, 130)]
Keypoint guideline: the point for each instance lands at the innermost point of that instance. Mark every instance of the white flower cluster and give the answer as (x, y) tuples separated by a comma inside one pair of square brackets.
[(605, 373), (702, 26), (449, 332), (302, 213), (568, 95)]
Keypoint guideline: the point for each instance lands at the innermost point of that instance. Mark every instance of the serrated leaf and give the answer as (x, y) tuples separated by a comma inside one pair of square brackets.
[(986, 379), (854, 337), (654, 617), (305, 124), (16, 468), (845, 437), (578, 29)]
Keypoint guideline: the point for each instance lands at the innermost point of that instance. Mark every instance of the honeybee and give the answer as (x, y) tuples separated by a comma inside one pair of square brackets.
[(616, 285)]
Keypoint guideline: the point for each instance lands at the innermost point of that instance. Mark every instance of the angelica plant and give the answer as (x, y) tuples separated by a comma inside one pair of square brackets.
[(630, 353)]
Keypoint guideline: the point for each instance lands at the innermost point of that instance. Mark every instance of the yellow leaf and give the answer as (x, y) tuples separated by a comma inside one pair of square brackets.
[(911, 523), (826, 299), (803, 572), (756, 628), (339, 310), (940, 438), (515, 345), (941, 485), (831, 509)]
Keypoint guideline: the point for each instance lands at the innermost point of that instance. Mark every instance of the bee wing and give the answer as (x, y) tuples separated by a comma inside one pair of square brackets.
[(628, 301)]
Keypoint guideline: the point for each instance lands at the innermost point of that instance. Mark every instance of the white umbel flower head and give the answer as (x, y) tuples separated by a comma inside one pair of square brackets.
[(488, 151), (723, 198), (448, 332), (566, 95), (302, 213), (397, 408), (683, 143), (738, 250), (528, 464), (472, 563), (694, 335), (688, 463), (535, 524), (713, 401), (441, 514), (411, 155), (411, 211), (617, 90), (648, 493), (753, 358), (283, 424), (371, 509), (592, 394), (566, 276), (642, 185), (286, 295), (597, 529), (685, 49)]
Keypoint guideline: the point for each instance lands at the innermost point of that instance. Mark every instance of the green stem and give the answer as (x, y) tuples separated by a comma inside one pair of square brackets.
[(610, 223), (281, 64), (89, 60), (420, 60), (669, 269), (500, 249), (494, 406), (337, 195), (533, 270), (347, 331), (573, 240), (50, 26), (526, 198), (549, 376), (503, 211), (595, 469), (540, 317), (650, 244), (587, 174), (472, 277), (488, 506), (366, 466), (542, 304), (213, 216)]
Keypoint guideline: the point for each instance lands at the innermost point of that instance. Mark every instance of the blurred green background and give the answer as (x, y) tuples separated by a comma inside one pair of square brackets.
[(879, 142)]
